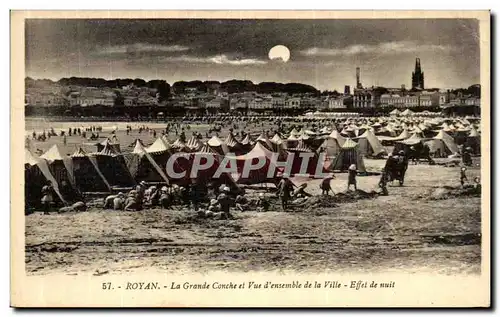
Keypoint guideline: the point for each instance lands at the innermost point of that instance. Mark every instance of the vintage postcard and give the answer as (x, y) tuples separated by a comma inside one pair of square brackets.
[(250, 159)]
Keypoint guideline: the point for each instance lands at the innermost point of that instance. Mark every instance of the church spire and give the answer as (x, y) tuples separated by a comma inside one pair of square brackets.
[(417, 77)]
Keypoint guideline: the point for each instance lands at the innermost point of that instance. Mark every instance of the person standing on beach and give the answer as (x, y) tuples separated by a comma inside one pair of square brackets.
[(47, 192), (463, 177), (285, 188), (383, 183), (225, 202), (326, 186), (351, 180)]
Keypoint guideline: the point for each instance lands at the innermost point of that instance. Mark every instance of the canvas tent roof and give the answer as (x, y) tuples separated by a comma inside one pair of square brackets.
[(256, 176), (179, 145), (53, 154), (349, 144), (336, 135), (325, 130), (138, 147), (107, 150), (247, 140), (216, 142), (331, 146), (194, 143), (30, 158), (257, 151), (293, 137), (309, 132), (231, 140), (158, 146), (110, 141), (141, 151), (414, 139), (371, 140), (276, 139), (42, 165), (416, 130), (348, 155), (264, 139), (79, 153), (447, 140), (301, 147), (294, 132), (403, 136), (473, 132), (407, 112), (206, 149)]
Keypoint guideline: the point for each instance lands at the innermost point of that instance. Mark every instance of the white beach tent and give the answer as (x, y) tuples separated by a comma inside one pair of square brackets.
[(369, 144), (33, 161), (332, 144), (395, 112), (407, 112), (442, 144)]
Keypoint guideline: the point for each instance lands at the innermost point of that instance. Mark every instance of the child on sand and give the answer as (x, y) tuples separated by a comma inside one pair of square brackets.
[(463, 177), (383, 183), (352, 177), (326, 186)]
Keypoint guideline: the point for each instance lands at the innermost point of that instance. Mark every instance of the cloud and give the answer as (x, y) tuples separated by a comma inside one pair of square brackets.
[(217, 59), (386, 48), (141, 48)]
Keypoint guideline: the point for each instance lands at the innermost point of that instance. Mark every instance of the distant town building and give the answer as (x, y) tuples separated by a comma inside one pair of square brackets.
[(237, 103), (347, 90), (260, 103), (363, 98), (466, 101), (341, 101), (428, 99), (417, 77), (293, 102), (310, 102), (399, 101), (45, 96), (278, 101), (425, 99), (444, 98), (215, 103), (129, 101)]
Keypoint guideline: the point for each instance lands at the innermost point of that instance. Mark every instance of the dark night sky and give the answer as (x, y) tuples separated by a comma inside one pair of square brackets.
[(324, 53)]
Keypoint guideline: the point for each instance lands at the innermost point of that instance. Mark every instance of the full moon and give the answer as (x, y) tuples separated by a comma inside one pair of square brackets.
[(279, 52)]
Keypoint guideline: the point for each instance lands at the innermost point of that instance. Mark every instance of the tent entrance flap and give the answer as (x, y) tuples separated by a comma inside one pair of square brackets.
[(94, 163), (44, 168), (156, 166)]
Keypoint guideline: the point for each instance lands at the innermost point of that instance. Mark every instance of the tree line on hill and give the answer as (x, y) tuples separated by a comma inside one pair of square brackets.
[(161, 86), (180, 87), (230, 86)]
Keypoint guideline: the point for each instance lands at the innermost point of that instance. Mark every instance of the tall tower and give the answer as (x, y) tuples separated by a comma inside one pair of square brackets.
[(358, 81), (417, 77)]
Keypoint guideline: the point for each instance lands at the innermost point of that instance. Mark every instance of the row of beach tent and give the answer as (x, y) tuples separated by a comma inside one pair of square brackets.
[(109, 167)]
